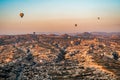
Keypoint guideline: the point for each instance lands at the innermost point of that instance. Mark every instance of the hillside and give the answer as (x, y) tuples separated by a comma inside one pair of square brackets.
[(59, 57)]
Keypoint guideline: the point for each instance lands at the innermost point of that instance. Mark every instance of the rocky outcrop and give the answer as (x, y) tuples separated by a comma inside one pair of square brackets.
[(54, 58)]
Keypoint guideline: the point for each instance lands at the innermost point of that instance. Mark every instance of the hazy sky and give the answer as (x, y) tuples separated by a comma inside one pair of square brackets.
[(59, 16)]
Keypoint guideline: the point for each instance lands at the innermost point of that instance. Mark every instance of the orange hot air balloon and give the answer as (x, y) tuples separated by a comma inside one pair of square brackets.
[(21, 15)]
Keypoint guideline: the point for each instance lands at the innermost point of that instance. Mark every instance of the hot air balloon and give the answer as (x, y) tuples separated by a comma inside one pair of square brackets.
[(75, 25), (98, 18), (21, 15)]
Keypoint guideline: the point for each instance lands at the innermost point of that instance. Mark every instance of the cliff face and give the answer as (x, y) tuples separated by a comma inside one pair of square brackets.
[(56, 58)]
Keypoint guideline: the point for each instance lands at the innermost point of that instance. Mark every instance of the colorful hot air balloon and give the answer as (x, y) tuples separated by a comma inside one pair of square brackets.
[(21, 15)]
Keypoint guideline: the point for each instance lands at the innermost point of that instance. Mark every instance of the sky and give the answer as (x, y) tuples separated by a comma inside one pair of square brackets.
[(59, 16)]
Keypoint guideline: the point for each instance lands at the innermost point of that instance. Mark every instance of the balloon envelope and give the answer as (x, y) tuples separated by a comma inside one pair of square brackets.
[(98, 18), (21, 15), (75, 24)]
